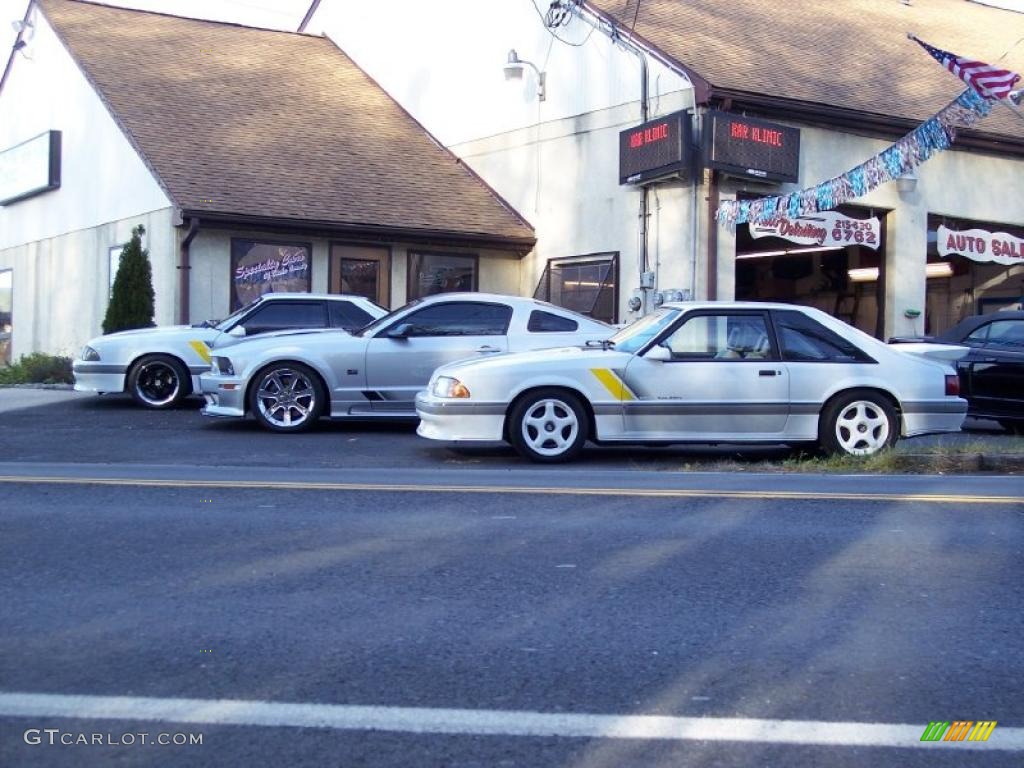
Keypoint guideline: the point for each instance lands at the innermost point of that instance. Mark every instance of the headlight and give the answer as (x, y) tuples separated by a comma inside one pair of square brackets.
[(446, 386), (222, 366), (90, 354)]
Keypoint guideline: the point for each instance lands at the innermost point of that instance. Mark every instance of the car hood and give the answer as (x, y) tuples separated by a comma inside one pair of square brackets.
[(161, 333), (557, 358)]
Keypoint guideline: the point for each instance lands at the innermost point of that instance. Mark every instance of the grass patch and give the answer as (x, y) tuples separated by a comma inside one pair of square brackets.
[(38, 368)]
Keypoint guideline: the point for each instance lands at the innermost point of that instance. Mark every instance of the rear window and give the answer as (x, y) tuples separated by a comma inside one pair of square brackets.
[(546, 322), (802, 339), (345, 314)]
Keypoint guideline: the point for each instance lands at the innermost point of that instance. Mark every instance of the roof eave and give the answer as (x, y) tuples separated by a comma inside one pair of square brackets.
[(520, 245)]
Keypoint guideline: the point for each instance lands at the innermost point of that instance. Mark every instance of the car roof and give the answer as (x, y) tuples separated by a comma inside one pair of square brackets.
[(278, 296), (968, 324), (736, 305)]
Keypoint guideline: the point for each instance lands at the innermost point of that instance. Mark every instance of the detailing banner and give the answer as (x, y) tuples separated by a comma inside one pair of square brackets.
[(981, 245), (827, 228)]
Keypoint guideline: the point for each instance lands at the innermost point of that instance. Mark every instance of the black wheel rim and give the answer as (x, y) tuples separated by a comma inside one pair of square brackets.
[(157, 383)]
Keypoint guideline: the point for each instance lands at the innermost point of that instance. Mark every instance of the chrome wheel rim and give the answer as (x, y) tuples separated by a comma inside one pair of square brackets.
[(550, 427), (862, 428), (157, 383), (286, 397)]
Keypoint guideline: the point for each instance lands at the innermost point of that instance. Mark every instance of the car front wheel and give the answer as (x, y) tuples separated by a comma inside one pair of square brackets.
[(858, 423), (287, 397), (159, 381), (549, 426)]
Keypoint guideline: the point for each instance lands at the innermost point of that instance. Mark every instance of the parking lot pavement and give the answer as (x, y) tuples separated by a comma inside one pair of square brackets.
[(63, 426)]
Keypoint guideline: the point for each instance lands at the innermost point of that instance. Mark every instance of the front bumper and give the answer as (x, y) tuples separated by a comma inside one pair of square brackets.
[(224, 395), (98, 376), (457, 420)]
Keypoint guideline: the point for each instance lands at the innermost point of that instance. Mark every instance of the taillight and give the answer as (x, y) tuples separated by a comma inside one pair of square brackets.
[(952, 385)]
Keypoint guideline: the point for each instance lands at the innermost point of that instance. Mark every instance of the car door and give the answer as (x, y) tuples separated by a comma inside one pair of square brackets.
[(723, 379), (996, 368), (402, 356)]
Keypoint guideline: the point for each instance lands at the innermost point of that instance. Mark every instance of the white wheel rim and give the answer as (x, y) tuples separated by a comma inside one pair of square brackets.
[(862, 428), (550, 427), (286, 398)]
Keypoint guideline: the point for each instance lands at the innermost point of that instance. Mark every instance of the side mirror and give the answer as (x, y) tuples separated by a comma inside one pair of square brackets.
[(400, 331), (238, 332), (659, 353)]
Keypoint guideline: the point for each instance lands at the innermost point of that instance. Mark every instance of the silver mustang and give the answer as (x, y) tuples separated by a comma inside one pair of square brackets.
[(160, 366), (729, 372), (289, 380)]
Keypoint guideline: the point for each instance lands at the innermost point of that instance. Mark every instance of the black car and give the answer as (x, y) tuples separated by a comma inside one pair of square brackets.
[(992, 375)]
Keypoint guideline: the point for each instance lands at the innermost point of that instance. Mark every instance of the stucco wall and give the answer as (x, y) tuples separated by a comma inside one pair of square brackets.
[(103, 179), (61, 284)]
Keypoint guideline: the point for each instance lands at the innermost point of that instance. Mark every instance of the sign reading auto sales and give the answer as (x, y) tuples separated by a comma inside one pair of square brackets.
[(826, 228), (981, 245)]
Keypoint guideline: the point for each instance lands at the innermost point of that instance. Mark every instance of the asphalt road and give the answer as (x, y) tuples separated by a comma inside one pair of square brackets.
[(112, 429), (429, 585)]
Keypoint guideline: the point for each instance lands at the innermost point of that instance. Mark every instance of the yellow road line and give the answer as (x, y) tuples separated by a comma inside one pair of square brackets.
[(279, 485)]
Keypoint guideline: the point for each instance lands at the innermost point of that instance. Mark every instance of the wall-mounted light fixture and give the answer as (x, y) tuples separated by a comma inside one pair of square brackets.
[(514, 71), (906, 183)]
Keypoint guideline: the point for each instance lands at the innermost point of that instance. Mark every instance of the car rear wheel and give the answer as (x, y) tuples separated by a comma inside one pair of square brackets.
[(287, 397), (159, 381), (858, 423), (549, 426)]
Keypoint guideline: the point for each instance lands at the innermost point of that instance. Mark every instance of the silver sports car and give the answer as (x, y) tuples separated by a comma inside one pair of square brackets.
[(729, 372), (288, 380)]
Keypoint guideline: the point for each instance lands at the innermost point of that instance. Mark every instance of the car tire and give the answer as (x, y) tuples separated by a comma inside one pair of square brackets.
[(858, 423), (549, 426), (159, 382), (287, 397), (1013, 426)]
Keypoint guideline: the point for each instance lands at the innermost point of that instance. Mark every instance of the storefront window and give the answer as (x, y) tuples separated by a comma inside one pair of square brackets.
[(431, 273), (974, 267), (264, 267), (6, 313), (584, 284)]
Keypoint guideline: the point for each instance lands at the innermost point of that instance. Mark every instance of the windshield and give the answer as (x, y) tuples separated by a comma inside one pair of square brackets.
[(382, 321), (634, 336), (227, 322)]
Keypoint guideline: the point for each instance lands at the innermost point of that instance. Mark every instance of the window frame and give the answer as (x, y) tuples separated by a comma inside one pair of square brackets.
[(582, 260), (10, 338), (412, 278)]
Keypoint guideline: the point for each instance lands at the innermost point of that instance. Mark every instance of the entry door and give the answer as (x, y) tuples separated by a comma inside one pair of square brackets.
[(724, 380), (362, 270)]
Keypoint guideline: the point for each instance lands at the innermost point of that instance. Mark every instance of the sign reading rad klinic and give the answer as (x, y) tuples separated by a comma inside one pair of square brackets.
[(655, 149), (981, 245), (30, 168), (825, 228), (754, 149)]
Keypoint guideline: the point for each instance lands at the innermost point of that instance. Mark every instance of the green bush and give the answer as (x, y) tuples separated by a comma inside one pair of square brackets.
[(131, 299), (38, 368)]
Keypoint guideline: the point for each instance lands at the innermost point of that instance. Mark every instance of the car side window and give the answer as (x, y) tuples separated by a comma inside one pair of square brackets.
[(345, 314), (283, 315), (459, 318), (805, 340), (547, 322), (1006, 335), (720, 337), (978, 336)]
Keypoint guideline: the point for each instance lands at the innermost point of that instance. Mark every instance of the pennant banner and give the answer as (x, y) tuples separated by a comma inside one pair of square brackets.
[(934, 135)]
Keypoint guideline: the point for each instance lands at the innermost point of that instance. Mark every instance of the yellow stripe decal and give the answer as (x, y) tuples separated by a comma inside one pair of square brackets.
[(664, 493), (613, 383), (201, 349)]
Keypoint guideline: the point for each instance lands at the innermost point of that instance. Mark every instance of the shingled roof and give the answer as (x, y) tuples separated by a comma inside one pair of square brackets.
[(277, 126), (846, 54)]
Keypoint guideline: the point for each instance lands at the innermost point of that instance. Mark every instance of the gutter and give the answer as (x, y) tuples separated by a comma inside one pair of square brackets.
[(184, 271)]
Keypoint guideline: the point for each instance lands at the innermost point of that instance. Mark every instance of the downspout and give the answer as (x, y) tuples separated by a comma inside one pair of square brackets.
[(644, 193), (712, 235), (184, 271)]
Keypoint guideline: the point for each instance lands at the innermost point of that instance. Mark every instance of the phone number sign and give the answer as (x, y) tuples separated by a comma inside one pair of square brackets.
[(825, 228)]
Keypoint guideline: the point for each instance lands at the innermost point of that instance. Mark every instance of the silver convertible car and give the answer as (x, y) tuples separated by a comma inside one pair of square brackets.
[(160, 366), (736, 372), (289, 380)]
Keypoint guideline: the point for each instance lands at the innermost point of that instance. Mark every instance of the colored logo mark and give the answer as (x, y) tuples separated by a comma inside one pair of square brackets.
[(959, 730)]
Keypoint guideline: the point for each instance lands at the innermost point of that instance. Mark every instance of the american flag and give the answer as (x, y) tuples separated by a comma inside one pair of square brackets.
[(991, 82)]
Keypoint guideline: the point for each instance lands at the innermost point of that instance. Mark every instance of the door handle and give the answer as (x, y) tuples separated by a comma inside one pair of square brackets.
[(487, 349), (769, 373)]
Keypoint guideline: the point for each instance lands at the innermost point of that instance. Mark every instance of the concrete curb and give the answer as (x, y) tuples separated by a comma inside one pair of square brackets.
[(959, 463), (38, 386)]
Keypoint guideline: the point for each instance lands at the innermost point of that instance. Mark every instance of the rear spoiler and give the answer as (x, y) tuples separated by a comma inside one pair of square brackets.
[(941, 352)]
